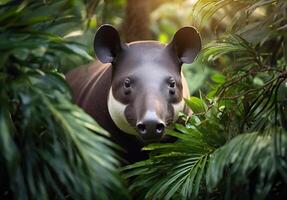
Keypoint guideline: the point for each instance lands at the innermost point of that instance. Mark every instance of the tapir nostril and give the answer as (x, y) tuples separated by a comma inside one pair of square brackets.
[(141, 128), (160, 128)]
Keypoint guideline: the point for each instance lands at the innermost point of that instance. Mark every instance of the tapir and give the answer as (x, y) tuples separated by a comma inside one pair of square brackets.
[(137, 89)]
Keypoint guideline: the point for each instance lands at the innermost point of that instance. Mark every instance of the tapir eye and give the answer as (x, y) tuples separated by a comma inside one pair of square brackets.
[(127, 83), (127, 86), (171, 83)]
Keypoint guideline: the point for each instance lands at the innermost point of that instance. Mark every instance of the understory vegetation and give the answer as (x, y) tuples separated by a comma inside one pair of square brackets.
[(234, 146), (49, 148)]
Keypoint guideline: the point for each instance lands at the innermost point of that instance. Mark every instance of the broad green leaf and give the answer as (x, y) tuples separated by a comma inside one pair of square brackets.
[(197, 105), (218, 78)]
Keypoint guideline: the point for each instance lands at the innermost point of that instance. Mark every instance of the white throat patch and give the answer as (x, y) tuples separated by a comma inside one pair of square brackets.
[(185, 93), (116, 111), (178, 107)]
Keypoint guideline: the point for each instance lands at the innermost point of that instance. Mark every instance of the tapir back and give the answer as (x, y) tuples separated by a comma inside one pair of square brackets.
[(90, 85)]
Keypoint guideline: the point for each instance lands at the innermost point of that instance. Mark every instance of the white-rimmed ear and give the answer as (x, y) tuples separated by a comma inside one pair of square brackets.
[(186, 44), (107, 43)]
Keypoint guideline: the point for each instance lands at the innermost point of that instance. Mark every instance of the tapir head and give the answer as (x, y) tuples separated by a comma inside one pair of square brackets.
[(147, 89)]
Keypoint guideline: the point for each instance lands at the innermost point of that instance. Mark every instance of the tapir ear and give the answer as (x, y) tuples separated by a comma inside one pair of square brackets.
[(186, 43), (107, 44)]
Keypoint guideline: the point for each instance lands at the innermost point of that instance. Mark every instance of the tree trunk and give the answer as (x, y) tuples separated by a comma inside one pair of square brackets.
[(137, 22)]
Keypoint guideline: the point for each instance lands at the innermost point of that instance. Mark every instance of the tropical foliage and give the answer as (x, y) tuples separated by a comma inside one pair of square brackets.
[(234, 146), (49, 148)]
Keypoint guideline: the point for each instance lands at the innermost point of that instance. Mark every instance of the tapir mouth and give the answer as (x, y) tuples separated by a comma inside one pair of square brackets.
[(146, 141), (149, 123), (163, 139)]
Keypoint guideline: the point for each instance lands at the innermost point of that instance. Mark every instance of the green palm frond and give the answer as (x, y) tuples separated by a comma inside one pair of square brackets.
[(29, 33), (252, 161), (49, 148), (236, 11), (176, 171), (231, 44), (249, 78)]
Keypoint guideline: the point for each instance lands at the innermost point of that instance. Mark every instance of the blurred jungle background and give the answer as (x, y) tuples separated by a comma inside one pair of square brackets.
[(233, 147)]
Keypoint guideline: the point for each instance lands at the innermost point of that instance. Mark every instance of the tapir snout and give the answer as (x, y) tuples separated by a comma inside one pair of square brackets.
[(151, 127), (152, 116)]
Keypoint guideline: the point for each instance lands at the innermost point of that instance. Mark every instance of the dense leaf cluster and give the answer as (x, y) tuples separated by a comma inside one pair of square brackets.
[(234, 146), (49, 148)]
